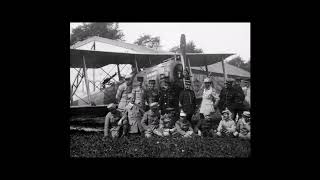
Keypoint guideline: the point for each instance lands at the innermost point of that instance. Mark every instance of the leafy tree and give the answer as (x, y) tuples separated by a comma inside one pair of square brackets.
[(190, 48), (106, 30), (239, 62), (148, 41)]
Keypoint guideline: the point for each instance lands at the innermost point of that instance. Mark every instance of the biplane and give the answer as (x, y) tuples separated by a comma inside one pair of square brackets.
[(150, 65)]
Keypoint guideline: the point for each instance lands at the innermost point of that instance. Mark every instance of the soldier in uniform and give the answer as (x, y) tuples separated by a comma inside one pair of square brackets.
[(112, 125), (226, 96), (169, 97), (132, 117), (226, 126), (151, 94), (243, 126), (123, 91), (151, 121), (183, 126), (187, 102), (237, 105), (167, 122), (139, 93)]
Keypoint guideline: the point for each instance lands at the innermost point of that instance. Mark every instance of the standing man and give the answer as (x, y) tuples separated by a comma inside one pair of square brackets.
[(237, 105), (123, 91), (151, 94), (168, 98), (138, 94), (187, 102), (226, 96)]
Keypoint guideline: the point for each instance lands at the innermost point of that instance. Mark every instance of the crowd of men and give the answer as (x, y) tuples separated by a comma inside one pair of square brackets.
[(169, 111)]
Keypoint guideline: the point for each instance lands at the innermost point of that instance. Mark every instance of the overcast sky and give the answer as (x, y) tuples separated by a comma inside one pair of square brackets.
[(210, 37)]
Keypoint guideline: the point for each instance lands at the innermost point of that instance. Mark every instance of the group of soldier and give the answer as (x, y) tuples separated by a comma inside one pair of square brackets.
[(169, 111)]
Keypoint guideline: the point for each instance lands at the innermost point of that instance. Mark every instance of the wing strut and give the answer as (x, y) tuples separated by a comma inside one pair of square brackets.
[(224, 71), (86, 79)]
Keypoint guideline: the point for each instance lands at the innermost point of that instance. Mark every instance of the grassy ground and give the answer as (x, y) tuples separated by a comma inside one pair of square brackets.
[(84, 144)]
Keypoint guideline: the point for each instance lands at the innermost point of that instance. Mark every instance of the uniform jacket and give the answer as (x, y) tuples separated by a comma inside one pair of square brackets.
[(227, 125), (183, 127), (138, 95), (208, 98), (169, 98), (111, 121), (134, 116), (238, 95), (122, 95), (150, 120), (187, 99), (226, 98), (243, 127), (167, 122), (151, 95)]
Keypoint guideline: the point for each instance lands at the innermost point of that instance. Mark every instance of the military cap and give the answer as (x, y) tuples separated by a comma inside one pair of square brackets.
[(246, 113), (206, 80), (112, 106), (170, 109), (182, 114), (152, 81), (140, 79), (154, 104), (226, 111)]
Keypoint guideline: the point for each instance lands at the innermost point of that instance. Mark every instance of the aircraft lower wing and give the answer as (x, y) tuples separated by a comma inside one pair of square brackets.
[(97, 59)]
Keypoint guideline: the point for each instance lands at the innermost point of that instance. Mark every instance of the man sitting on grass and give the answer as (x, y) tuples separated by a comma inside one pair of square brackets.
[(183, 126), (132, 114), (111, 125), (151, 120), (243, 126), (206, 126), (226, 126), (167, 122)]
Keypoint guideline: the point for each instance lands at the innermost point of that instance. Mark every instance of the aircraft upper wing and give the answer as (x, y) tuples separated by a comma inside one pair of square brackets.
[(97, 59)]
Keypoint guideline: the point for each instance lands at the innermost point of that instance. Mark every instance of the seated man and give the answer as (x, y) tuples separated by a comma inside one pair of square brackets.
[(133, 115), (167, 122), (112, 119), (206, 126), (243, 126), (183, 126), (151, 121), (226, 126)]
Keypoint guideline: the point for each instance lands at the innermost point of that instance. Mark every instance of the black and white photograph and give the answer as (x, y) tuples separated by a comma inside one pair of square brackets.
[(160, 90)]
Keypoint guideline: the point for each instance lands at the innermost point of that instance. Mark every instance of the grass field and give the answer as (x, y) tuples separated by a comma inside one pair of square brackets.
[(91, 144)]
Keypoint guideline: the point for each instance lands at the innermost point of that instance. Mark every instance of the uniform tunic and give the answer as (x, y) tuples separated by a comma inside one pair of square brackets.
[(187, 99), (122, 95), (138, 95), (226, 98), (150, 120), (226, 126), (242, 127), (111, 123), (134, 116), (169, 99), (151, 95), (207, 104), (183, 127), (167, 122)]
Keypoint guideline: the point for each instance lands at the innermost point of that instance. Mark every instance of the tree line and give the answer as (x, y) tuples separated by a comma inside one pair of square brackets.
[(112, 31)]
